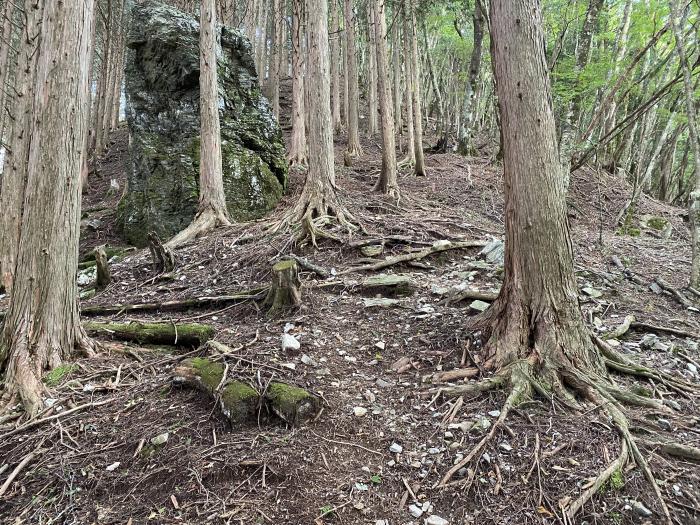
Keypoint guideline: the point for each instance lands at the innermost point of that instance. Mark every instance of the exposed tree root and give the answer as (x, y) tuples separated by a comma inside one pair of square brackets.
[(437, 247), (314, 210), (205, 221), (539, 375)]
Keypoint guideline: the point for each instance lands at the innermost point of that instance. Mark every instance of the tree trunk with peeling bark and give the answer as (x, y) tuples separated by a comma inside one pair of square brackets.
[(354, 148), (212, 210), (318, 203), (388, 180), (677, 21), (42, 325), (413, 84), (297, 149)]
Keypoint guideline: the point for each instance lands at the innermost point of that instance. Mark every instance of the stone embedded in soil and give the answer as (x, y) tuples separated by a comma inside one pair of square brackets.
[(395, 448), (479, 306), (360, 411), (388, 284), (415, 510), (162, 111), (436, 520), (640, 509), (494, 252), (289, 342)]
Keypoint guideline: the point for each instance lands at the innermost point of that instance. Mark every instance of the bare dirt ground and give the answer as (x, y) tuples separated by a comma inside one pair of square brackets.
[(89, 466)]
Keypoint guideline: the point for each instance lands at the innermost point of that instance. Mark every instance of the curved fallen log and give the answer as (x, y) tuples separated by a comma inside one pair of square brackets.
[(186, 334)]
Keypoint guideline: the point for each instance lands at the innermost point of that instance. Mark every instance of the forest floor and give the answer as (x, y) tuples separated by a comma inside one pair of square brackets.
[(85, 467)]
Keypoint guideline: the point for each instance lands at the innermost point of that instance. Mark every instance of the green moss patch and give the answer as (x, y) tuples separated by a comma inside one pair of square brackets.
[(56, 376)]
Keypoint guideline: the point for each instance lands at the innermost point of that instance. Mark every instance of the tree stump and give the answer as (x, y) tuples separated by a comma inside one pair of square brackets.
[(163, 258), (285, 292), (104, 276)]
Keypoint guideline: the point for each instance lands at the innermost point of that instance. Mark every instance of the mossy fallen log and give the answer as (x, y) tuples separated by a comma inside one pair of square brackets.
[(238, 401), (185, 334)]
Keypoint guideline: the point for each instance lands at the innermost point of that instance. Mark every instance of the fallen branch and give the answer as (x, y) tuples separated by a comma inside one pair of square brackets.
[(308, 265), (437, 247), (183, 304), (674, 292), (453, 375), (488, 297), (622, 329), (647, 327), (185, 334), (38, 422), (17, 470)]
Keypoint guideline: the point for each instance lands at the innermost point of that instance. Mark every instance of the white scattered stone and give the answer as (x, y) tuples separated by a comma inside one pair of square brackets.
[(360, 411), (495, 413), (160, 439), (381, 345), (692, 368), (381, 522), (289, 342), (415, 510), (362, 487), (640, 509), (436, 520), (308, 360), (505, 447), (395, 448), (113, 466)]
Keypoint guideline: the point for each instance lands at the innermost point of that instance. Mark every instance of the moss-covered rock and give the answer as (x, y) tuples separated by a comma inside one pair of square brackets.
[(162, 93), (293, 404)]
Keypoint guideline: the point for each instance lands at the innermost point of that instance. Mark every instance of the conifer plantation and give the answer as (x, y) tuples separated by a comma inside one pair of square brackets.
[(349, 262)]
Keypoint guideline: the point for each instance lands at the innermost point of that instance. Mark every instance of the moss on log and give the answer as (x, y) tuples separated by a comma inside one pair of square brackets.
[(293, 404), (186, 334), (237, 401)]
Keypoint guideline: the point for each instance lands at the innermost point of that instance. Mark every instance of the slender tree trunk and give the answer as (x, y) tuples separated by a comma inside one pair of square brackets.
[(42, 325), (414, 81), (14, 175), (372, 73), (277, 59), (388, 181), (396, 67), (6, 39), (335, 68), (410, 158), (354, 147), (467, 120), (297, 149), (678, 23), (212, 210), (318, 202)]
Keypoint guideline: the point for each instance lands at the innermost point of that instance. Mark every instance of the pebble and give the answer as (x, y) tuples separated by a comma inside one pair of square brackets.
[(692, 368), (395, 448), (505, 447), (381, 383), (381, 522), (436, 520), (495, 413), (640, 509), (160, 439), (113, 466), (415, 510), (360, 411), (664, 423), (381, 345), (433, 450), (289, 342)]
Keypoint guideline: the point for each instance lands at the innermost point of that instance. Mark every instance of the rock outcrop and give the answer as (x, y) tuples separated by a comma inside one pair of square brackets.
[(162, 109)]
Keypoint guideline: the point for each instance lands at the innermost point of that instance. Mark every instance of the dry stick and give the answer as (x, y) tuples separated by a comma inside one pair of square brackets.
[(571, 510), (416, 256), (622, 329), (38, 422), (674, 292), (655, 328), (347, 443), (18, 469), (255, 294)]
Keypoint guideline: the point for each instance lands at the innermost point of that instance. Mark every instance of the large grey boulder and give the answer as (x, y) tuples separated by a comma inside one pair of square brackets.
[(162, 110)]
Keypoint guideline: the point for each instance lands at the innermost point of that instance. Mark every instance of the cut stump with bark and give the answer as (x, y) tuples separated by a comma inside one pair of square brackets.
[(186, 334), (104, 276), (285, 291), (163, 257)]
